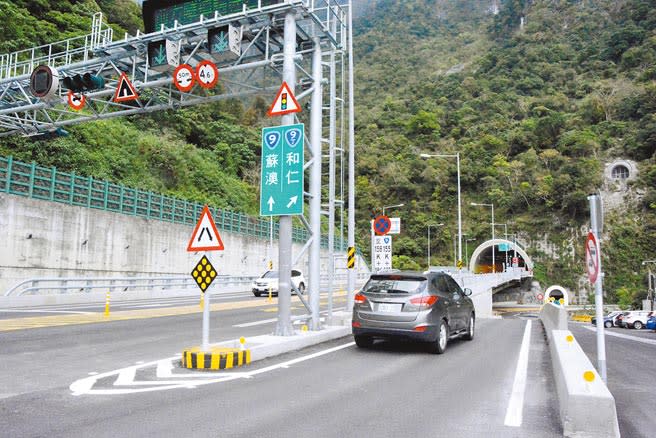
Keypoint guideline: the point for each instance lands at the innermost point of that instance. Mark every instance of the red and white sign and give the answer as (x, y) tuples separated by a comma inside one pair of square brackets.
[(540, 297), (184, 78), (284, 103), (205, 236), (515, 261), (207, 74), (592, 257), (76, 101), (125, 91)]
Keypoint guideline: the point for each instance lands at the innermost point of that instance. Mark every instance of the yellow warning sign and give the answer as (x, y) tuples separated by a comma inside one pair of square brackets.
[(350, 262), (204, 273)]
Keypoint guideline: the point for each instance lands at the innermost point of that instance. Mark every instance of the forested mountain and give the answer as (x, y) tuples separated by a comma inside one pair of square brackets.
[(537, 97)]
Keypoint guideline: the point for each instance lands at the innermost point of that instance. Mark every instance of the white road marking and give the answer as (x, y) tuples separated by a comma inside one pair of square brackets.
[(620, 335), (125, 376), (516, 405), (251, 324), (43, 311)]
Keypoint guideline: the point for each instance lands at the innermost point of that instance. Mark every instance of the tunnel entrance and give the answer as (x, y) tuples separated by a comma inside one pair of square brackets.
[(507, 255)]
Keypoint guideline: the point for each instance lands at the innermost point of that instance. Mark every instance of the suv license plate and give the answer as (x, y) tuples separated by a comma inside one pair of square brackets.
[(389, 307)]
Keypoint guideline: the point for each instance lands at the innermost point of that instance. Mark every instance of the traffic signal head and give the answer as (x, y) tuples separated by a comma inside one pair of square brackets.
[(85, 82)]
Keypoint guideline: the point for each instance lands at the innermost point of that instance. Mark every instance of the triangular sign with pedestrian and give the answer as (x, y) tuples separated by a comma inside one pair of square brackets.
[(205, 236), (284, 103), (125, 91)]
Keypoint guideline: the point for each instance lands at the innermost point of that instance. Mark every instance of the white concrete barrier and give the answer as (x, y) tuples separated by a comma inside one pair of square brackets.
[(586, 406)]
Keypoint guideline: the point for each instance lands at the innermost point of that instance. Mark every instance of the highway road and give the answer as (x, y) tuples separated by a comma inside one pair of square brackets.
[(120, 378), (631, 367)]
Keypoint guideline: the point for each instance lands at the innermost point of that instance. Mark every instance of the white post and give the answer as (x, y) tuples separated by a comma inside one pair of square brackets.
[(595, 218), (428, 258), (314, 282), (494, 264), (332, 138), (351, 160), (459, 210)]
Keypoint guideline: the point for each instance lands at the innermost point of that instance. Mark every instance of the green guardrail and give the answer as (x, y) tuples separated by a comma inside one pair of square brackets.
[(50, 184)]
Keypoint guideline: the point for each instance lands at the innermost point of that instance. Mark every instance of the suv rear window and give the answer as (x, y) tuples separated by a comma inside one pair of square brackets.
[(394, 285)]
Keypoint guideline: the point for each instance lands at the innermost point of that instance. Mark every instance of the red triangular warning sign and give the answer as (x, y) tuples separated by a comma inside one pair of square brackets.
[(284, 103), (125, 91), (205, 236)]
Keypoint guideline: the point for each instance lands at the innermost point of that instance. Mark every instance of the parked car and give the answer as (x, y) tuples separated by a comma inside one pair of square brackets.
[(269, 280), (608, 319), (636, 319), (429, 307), (651, 322)]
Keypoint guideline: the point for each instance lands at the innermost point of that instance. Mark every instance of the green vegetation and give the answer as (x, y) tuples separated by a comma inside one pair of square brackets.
[(535, 112)]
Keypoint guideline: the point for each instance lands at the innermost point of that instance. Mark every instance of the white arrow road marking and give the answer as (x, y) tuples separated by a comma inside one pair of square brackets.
[(125, 376), (271, 202), (292, 201)]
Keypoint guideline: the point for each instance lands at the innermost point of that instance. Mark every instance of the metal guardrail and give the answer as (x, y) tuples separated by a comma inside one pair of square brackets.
[(42, 286), (73, 285), (50, 184)]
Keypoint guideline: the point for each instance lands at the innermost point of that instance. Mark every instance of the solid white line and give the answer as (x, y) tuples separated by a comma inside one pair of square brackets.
[(620, 335), (516, 404), (43, 311), (251, 324)]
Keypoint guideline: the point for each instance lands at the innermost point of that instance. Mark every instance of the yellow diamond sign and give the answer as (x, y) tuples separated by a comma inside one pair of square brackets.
[(204, 273)]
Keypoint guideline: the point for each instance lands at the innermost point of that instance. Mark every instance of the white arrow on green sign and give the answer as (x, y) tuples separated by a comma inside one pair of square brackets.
[(281, 177)]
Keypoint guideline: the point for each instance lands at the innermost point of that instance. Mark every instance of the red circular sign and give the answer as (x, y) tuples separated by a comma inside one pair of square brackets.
[(76, 101), (207, 74), (540, 297), (184, 78), (382, 225), (592, 257)]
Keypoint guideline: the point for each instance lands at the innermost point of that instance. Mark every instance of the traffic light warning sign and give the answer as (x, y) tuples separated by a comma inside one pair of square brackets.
[(125, 91), (284, 103)]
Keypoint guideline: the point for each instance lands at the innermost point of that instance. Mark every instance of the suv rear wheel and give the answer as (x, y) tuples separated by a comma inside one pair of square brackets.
[(439, 346), (637, 325), (363, 341)]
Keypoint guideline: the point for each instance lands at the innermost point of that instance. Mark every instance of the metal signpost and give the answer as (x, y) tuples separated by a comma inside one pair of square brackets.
[(595, 275)]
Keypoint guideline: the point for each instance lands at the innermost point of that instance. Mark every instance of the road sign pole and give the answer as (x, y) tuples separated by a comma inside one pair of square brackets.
[(315, 187), (331, 181), (351, 160), (205, 344), (284, 325), (595, 219)]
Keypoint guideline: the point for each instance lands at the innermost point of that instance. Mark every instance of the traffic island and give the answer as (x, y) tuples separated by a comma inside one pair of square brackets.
[(217, 358)]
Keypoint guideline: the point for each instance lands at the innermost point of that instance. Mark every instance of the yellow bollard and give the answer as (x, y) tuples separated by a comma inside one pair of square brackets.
[(107, 304), (242, 342), (304, 328), (269, 299)]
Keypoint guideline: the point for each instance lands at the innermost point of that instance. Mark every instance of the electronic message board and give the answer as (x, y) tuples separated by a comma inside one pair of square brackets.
[(166, 12)]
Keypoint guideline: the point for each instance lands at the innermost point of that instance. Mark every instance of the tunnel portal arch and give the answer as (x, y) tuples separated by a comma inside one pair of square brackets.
[(557, 292), (480, 261)]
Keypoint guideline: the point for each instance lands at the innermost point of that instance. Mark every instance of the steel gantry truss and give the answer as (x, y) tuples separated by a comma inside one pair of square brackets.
[(304, 42)]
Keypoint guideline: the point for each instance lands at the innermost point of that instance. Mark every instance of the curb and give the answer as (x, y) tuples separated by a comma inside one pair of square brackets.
[(218, 358)]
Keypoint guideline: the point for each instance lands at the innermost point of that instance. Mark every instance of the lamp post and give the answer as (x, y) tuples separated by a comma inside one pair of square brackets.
[(494, 266), (505, 233), (391, 206), (429, 244), (457, 157), (651, 285)]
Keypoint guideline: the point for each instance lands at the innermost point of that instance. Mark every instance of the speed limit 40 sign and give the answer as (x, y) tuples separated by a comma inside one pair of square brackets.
[(592, 257)]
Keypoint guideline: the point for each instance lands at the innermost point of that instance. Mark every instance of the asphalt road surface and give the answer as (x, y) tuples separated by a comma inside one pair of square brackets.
[(328, 390), (631, 370)]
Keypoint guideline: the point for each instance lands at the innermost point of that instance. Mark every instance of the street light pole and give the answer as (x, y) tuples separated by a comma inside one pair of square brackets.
[(494, 265), (391, 206), (429, 243), (457, 157), (505, 233), (651, 285)]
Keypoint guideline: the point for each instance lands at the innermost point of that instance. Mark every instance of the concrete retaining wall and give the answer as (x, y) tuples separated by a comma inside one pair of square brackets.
[(49, 239), (587, 409)]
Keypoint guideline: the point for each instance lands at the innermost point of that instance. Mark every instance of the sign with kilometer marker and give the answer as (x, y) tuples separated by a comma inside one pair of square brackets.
[(281, 178), (284, 103)]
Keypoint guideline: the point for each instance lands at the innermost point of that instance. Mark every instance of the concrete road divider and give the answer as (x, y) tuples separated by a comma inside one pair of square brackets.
[(586, 406)]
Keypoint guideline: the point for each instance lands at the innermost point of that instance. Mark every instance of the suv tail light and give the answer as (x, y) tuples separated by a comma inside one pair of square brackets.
[(359, 298), (424, 302)]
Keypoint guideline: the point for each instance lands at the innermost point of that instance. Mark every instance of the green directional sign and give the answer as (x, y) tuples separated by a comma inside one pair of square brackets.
[(281, 181)]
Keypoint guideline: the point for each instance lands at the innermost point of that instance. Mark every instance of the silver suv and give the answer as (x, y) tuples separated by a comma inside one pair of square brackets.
[(429, 307)]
